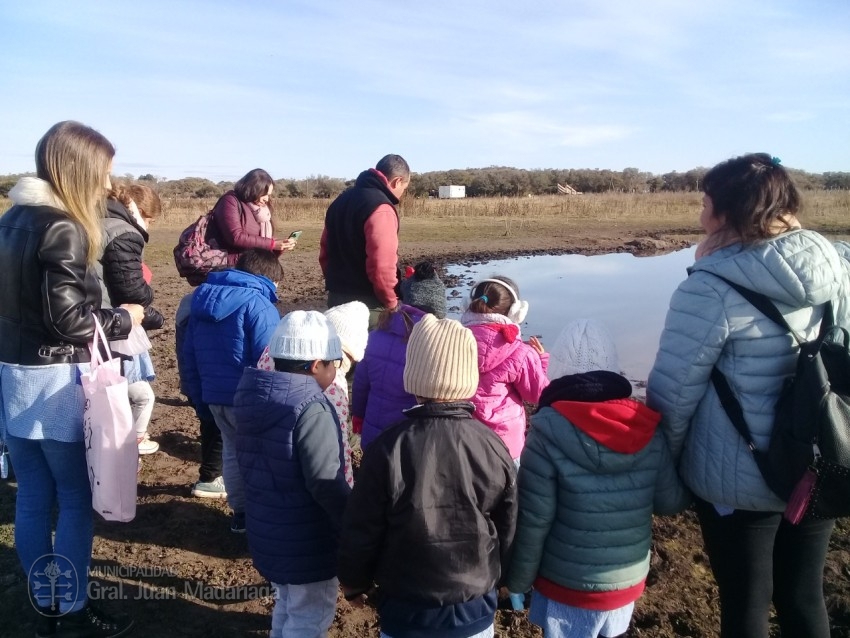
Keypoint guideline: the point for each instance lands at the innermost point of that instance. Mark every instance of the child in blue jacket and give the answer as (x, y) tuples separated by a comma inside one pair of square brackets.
[(290, 454), (232, 318)]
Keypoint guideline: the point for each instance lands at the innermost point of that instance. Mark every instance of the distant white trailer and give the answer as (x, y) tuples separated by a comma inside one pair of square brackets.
[(452, 192)]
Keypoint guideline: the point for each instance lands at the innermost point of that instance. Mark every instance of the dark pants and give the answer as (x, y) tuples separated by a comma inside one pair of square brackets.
[(375, 306), (759, 557), (210, 446)]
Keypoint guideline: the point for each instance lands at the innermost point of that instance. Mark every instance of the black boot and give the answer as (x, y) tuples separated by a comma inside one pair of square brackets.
[(45, 626), (91, 622)]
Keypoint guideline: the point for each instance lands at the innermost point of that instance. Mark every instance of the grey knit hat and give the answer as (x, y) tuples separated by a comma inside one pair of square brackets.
[(425, 290), (442, 360), (305, 335), (584, 345)]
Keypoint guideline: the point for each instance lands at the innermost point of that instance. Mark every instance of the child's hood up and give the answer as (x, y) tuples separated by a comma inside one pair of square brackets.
[(228, 291), (599, 435)]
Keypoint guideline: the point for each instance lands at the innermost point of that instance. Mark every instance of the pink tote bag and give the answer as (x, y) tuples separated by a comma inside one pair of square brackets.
[(111, 450)]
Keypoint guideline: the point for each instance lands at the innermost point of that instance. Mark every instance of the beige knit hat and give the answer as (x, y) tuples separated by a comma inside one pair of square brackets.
[(442, 360), (351, 321)]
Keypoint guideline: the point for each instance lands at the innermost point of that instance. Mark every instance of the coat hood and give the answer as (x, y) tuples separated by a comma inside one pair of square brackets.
[(117, 210), (224, 292), (843, 249), (609, 428), (283, 393), (798, 268), (497, 336)]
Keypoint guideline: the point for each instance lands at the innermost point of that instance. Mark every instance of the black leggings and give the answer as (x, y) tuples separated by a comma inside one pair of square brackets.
[(210, 446), (758, 557)]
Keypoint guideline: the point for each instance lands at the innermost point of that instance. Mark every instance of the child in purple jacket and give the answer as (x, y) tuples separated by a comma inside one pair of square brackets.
[(378, 395)]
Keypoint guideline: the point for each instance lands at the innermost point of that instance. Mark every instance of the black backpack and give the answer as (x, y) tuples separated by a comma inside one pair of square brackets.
[(807, 463)]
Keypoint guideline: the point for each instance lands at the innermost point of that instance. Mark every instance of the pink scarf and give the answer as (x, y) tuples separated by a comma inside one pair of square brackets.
[(264, 218)]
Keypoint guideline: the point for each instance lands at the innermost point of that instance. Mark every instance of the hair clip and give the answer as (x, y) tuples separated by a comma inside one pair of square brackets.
[(775, 161), (484, 298)]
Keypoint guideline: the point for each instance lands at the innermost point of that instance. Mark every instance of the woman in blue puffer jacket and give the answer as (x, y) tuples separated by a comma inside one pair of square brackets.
[(755, 240)]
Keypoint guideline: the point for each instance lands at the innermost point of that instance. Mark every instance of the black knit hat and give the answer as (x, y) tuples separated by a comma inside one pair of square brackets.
[(425, 290)]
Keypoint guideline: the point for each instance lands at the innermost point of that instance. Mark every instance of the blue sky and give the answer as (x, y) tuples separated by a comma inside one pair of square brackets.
[(214, 88)]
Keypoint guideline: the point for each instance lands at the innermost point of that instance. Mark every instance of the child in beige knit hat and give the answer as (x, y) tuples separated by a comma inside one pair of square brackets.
[(431, 518)]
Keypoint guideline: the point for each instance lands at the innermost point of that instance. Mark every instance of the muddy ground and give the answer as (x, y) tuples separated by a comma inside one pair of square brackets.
[(194, 578)]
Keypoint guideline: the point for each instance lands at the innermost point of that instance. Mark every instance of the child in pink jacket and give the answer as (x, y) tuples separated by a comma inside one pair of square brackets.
[(510, 371)]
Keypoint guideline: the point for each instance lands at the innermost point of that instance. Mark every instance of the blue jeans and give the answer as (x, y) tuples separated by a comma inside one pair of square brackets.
[(48, 471), (304, 611), (226, 421)]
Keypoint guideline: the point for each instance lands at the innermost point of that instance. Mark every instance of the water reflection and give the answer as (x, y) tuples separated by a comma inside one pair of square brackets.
[(629, 294)]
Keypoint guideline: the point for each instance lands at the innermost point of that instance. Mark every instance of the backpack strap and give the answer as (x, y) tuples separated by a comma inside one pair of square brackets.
[(732, 407), (827, 323), (762, 303)]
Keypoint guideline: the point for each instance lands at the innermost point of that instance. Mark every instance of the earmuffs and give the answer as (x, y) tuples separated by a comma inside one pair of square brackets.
[(518, 309)]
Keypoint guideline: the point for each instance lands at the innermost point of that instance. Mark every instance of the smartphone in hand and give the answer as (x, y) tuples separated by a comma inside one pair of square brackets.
[(295, 234)]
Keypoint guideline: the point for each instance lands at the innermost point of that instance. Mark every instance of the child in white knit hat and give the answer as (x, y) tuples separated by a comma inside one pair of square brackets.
[(431, 518), (351, 321), (289, 449), (594, 468)]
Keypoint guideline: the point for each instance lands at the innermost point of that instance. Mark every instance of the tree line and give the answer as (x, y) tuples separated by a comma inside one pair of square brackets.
[(492, 181)]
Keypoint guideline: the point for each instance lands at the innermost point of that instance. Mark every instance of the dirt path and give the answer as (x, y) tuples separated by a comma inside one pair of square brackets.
[(180, 572)]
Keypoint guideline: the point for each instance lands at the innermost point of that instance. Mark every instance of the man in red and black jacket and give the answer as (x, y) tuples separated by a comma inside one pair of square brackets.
[(359, 246)]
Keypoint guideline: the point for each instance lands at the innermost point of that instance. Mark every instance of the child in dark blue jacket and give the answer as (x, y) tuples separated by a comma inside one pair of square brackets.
[(232, 318), (290, 454)]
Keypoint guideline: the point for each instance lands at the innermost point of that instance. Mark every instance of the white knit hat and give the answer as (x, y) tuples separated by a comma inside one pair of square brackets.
[(442, 360), (582, 346), (305, 336), (351, 321)]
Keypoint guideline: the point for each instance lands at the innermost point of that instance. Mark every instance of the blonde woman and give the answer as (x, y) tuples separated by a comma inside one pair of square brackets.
[(49, 242)]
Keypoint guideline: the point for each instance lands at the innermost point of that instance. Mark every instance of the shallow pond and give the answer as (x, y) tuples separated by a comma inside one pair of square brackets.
[(629, 294)]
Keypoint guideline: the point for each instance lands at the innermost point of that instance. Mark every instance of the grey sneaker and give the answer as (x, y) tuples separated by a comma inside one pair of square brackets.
[(213, 489)]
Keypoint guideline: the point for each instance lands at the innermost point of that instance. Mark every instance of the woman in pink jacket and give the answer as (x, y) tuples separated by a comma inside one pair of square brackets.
[(510, 371)]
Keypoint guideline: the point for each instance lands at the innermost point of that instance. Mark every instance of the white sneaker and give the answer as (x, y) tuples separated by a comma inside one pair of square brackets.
[(212, 489), (146, 446)]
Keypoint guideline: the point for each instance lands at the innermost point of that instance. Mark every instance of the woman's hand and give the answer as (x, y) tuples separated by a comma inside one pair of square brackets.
[(137, 312), (535, 343), (283, 244)]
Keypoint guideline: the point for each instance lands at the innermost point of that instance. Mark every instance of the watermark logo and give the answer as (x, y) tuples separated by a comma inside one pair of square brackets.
[(53, 579)]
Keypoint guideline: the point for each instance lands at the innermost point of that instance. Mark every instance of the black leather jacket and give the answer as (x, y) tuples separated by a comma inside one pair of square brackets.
[(47, 291)]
